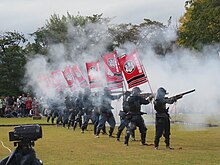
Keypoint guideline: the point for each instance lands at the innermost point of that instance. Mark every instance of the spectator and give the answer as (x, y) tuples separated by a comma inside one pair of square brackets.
[(28, 105), (23, 102), (1, 107)]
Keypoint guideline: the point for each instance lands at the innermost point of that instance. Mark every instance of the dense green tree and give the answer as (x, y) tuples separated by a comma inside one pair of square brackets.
[(124, 33), (157, 35), (71, 29), (76, 35), (12, 61), (200, 25), (56, 31)]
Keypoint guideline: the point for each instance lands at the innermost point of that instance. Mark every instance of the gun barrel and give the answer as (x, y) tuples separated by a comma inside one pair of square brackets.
[(179, 96), (193, 90), (117, 91), (145, 95)]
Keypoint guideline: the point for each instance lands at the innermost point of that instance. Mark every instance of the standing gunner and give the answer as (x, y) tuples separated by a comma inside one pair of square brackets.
[(135, 101), (106, 114), (123, 119), (162, 123)]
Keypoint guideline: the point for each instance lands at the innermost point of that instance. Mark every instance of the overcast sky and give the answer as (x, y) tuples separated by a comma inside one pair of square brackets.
[(27, 16)]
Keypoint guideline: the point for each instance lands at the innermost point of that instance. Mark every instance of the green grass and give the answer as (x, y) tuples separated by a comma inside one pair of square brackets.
[(16, 121), (60, 146)]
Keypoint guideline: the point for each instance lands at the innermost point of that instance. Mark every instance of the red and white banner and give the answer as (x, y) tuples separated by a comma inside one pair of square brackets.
[(45, 84), (59, 81), (113, 72), (132, 69), (44, 81), (94, 74), (70, 79), (79, 76)]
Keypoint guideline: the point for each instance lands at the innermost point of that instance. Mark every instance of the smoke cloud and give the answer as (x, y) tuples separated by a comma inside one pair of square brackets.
[(177, 72), (183, 70)]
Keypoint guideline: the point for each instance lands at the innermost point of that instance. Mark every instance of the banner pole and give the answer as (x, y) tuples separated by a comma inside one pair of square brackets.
[(146, 75)]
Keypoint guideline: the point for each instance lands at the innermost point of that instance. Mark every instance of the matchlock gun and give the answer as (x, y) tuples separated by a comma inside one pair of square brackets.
[(179, 96)]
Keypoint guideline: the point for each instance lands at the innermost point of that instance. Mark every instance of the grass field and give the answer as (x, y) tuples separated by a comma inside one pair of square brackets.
[(60, 146)]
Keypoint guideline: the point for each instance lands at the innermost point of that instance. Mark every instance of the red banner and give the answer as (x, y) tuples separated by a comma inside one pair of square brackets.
[(70, 79), (94, 74), (79, 76), (113, 72), (45, 83), (132, 69), (59, 81)]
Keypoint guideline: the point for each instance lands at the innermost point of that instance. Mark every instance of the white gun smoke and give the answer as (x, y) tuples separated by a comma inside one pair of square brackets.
[(177, 72), (184, 70)]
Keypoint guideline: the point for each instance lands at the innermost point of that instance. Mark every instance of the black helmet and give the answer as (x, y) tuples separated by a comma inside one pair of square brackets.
[(87, 91), (161, 92), (80, 94), (136, 90), (161, 89), (107, 91), (127, 93)]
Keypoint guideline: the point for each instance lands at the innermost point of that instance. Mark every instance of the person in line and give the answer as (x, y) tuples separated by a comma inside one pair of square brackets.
[(79, 110), (135, 101), (106, 114), (96, 112), (66, 111), (162, 122), (73, 113), (123, 119), (88, 109)]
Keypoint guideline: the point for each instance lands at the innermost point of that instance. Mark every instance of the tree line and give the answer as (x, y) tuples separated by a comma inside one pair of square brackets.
[(199, 26)]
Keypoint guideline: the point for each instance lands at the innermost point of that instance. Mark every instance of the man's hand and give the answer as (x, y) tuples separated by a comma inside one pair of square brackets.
[(150, 98)]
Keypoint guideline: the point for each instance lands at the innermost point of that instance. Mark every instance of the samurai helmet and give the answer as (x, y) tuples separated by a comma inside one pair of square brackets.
[(161, 92), (136, 90)]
